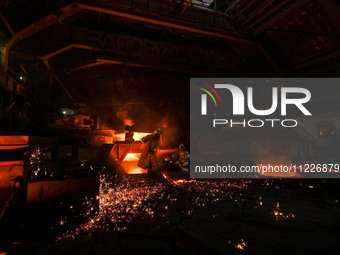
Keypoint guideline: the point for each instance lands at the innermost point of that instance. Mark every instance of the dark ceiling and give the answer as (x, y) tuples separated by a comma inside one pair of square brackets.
[(139, 49)]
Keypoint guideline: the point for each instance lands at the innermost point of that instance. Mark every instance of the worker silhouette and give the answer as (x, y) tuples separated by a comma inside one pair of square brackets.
[(148, 158)]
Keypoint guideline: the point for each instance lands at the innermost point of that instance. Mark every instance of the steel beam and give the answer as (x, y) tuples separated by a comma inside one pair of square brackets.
[(277, 17), (232, 6), (244, 9), (118, 60), (333, 54), (5, 21), (166, 24), (43, 23), (66, 48), (185, 7), (81, 67), (257, 10), (74, 8), (333, 12), (139, 48)]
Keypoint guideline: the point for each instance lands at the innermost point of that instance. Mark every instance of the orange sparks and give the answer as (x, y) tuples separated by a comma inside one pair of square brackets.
[(242, 245), (121, 203), (280, 215)]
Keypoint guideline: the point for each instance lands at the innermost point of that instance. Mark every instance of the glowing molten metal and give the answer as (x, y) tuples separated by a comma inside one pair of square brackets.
[(137, 136), (130, 164), (132, 157)]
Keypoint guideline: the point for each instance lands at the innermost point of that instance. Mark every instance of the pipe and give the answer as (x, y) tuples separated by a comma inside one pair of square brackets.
[(186, 7)]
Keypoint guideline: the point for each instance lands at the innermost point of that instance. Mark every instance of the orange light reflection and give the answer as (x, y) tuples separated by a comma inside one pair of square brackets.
[(137, 136), (294, 170), (130, 164), (132, 157), (290, 173)]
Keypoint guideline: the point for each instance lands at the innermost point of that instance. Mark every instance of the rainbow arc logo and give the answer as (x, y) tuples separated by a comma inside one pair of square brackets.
[(204, 97), (209, 93)]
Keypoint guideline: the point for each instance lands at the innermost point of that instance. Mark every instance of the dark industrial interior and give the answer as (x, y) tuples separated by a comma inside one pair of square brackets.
[(82, 82)]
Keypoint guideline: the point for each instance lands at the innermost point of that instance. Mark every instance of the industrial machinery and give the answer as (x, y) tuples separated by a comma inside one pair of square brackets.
[(125, 155), (77, 117)]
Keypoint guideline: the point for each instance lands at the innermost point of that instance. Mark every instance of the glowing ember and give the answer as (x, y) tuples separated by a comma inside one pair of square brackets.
[(280, 215), (242, 245), (260, 203), (37, 162), (119, 203), (123, 201)]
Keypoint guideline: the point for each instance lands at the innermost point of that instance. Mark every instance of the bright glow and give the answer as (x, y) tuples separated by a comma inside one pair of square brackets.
[(130, 164), (241, 246), (20, 78), (64, 112), (136, 170), (137, 136), (132, 157)]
